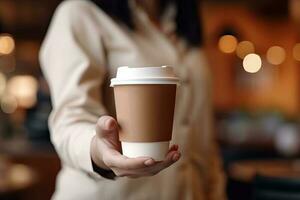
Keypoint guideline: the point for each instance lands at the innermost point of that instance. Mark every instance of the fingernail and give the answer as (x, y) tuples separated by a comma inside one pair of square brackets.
[(109, 124), (149, 162), (176, 157)]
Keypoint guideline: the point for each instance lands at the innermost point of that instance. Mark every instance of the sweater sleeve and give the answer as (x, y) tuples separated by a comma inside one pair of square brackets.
[(72, 60)]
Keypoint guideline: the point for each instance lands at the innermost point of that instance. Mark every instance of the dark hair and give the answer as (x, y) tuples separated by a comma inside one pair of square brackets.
[(187, 19)]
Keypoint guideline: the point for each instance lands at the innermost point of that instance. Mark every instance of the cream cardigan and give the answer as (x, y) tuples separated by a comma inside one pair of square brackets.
[(81, 52)]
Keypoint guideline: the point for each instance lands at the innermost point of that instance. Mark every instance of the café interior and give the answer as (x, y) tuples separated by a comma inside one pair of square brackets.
[(253, 52)]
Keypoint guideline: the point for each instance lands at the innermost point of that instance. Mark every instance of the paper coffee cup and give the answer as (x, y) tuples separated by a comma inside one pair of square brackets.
[(145, 102)]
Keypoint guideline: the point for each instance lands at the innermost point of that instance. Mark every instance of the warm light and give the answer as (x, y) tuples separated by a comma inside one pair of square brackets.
[(9, 103), (276, 55), (7, 44), (24, 88), (227, 43), (2, 83), (296, 52), (244, 48), (20, 174), (252, 63)]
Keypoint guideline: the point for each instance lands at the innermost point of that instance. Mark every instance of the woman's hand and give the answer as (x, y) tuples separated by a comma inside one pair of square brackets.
[(105, 152)]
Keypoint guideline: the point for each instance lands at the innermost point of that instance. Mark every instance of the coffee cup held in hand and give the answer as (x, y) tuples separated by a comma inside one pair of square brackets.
[(145, 102)]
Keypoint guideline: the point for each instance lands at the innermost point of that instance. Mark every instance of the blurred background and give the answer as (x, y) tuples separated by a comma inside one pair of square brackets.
[(253, 49)]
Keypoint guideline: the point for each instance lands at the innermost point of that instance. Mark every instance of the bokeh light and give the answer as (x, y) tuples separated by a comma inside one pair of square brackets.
[(24, 88), (8, 103), (276, 55), (296, 52), (244, 48), (20, 174), (7, 44), (286, 140), (2, 83), (252, 63), (227, 43)]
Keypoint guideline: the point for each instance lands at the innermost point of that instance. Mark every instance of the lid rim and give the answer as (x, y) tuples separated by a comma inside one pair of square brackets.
[(144, 75), (144, 81)]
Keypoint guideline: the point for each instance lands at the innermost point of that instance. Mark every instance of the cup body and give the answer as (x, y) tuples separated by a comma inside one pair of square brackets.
[(145, 113)]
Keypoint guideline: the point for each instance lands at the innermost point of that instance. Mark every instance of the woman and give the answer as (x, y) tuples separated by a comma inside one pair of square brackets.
[(85, 44)]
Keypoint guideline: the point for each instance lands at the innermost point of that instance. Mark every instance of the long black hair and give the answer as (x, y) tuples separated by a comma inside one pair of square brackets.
[(187, 18)]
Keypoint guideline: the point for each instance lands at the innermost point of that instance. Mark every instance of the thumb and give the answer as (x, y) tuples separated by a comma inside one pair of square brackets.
[(106, 125)]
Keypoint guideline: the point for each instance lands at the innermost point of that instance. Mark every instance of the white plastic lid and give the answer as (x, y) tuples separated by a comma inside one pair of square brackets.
[(144, 75)]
